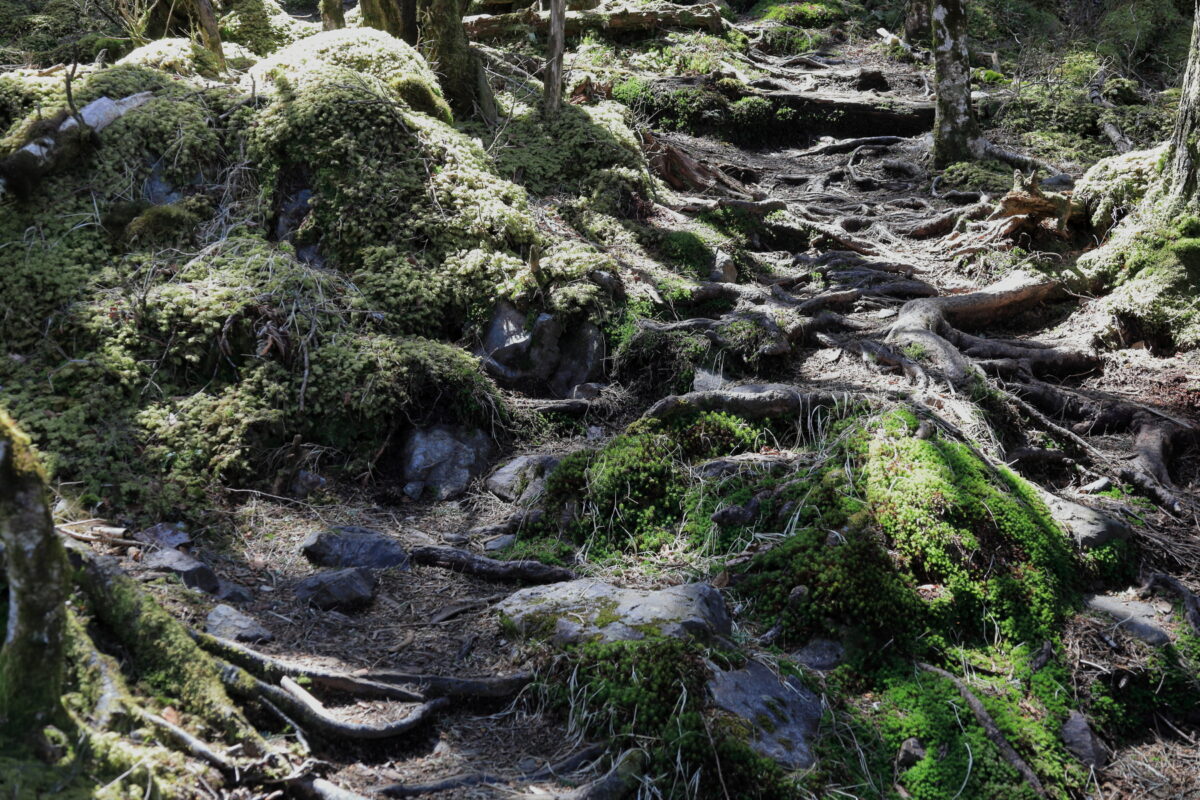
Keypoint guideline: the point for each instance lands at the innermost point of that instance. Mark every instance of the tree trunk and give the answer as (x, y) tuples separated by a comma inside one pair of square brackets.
[(449, 52), (333, 15), (408, 21), (916, 22), (954, 128), (32, 656), (554, 59), (210, 32), (383, 15), (1181, 178)]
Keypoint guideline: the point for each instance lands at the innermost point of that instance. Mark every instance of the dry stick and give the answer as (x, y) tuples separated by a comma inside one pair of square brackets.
[(181, 739), (990, 728)]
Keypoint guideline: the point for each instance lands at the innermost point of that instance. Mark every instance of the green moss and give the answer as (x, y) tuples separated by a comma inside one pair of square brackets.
[(652, 692), (262, 26), (988, 176), (818, 14), (689, 251)]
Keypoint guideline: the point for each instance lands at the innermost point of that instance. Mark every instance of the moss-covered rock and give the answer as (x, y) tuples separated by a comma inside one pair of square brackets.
[(188, 58), (1112, 188), (262, 26)]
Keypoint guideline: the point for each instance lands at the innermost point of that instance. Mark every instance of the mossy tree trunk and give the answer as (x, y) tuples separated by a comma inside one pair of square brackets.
[(333, 16), (32, 656), (554, 58), (382, 15), (955, 130), (449, 52), (916, 21), (210, 31), (1182, 178)]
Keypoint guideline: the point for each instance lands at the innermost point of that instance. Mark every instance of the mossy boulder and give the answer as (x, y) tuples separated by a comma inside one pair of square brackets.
[(262, 26), (365, 51), (1112, 188), (187, 58), (590, 610)]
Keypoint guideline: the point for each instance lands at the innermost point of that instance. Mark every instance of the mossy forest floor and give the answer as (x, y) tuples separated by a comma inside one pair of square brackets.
[(232, 308)]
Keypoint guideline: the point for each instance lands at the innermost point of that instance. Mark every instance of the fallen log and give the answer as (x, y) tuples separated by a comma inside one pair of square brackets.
[(21, 170), (605, 20), (463, 561), (856, 114)]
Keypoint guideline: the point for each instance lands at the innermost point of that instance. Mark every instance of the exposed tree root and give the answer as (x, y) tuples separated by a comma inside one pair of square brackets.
[(312, 716), (753, 401), (849, 145), (1191, 602), (463, 561), (568, 765), (990, 728), (448, 686), (685, 173)]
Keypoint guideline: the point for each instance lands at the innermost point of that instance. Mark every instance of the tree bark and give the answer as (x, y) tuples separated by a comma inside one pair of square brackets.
[(449, 51), (383, 15), (554, 59), (333, 15), (1182, 179), (210, 32), (32, 656), (916, 22), (955, 128)]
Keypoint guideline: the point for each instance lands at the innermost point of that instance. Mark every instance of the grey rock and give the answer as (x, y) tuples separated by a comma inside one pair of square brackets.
[(500, 542), (588, 609), (911, 751), (234, 592), (443, 460), (305, 483), (506, 340), (1082, 741), (582, 359), (344, 589), (544, 351), (522, 479), (292, 212), (1058, 182), (352, 546), (164, 534), (1088, 527), (782, 713), (821, 654), (194, 572), (724, 269), (229, 623), (1136, 618)]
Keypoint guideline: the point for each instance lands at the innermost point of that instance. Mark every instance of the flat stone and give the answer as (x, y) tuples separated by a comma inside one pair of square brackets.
[(782, 713), (587, 609), (1088, 527), (500, 542), (191, 570), (1136, 618), (344, 589), (164, 534), (821, 654), (229, 623), (521, 480), (1082, 741), (352, 546), (443, 460), (234, 592)]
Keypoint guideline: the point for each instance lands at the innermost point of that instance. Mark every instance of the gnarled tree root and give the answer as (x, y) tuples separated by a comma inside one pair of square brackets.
[(566, 766), (753, 402)]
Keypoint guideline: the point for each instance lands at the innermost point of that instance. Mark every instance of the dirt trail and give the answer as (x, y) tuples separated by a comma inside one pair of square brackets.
[(871, 298)]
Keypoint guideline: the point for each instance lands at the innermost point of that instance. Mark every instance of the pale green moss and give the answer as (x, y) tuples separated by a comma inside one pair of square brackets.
[(188, 58), (263, 26), (1113, 187), (365, 51)]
